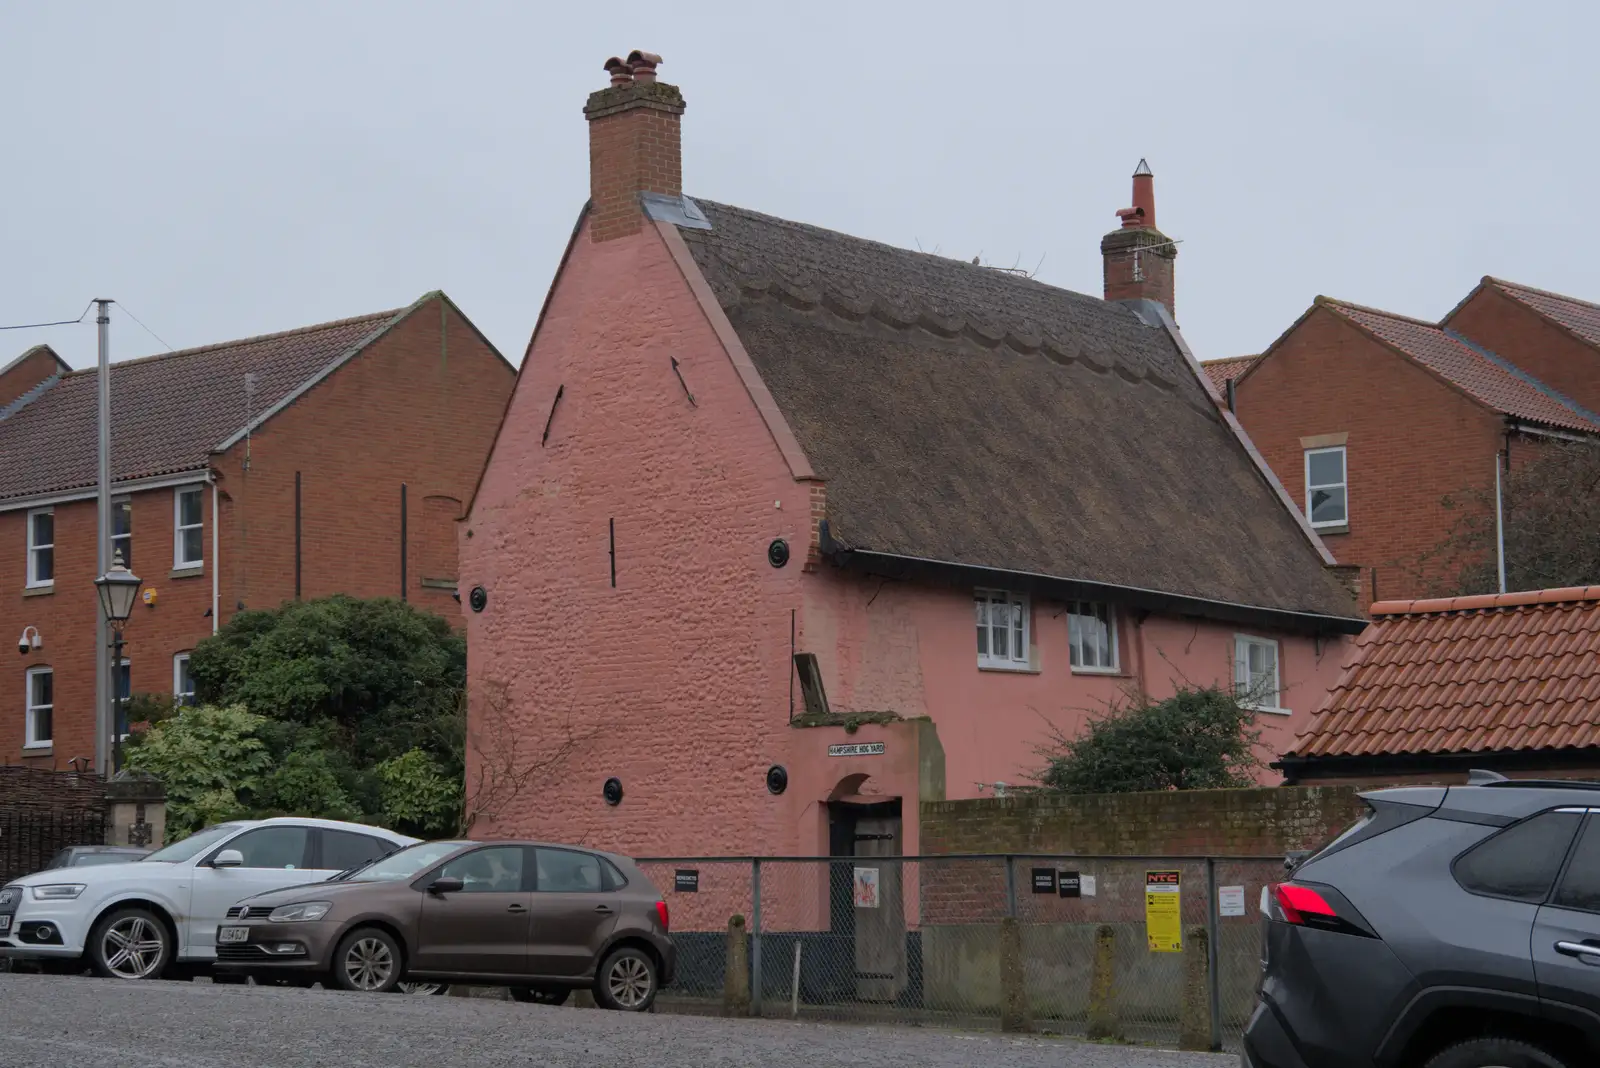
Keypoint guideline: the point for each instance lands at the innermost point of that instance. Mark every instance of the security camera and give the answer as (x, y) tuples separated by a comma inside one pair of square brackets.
[(29, 641), (23, 647)]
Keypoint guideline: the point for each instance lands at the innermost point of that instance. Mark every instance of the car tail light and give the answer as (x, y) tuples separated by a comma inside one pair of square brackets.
[(661, 914), (1319, 907)]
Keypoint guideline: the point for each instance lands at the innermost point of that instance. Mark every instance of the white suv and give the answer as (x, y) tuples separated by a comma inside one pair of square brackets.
[(130, 921)]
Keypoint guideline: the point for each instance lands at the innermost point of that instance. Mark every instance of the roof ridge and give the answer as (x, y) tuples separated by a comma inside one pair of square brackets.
[(1334, 302), (1228, 359), (253, 339), (900, 249), (1479, 601), (1511, 368), (1506, 283)]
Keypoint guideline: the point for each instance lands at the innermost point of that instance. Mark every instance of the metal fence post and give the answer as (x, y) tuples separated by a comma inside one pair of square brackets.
[(1213, 953), (755, 937), (1011, 887)]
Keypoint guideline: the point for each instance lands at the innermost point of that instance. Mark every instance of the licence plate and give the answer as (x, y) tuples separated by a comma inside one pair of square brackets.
[(227, 935), (5, 924)]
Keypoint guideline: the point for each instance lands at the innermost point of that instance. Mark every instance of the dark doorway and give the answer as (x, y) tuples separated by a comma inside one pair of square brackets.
[(865, 899)]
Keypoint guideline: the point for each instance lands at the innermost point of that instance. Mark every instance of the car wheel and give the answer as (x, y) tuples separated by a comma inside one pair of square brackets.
[(425, 989), (626, 981), (541, 995), (130, 943), (1495, 1053), (368, 959)]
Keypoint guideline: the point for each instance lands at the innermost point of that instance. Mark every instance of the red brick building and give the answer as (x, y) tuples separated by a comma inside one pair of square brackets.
[(333, 458), (1371, 419), (1435, 688), (787, 530)]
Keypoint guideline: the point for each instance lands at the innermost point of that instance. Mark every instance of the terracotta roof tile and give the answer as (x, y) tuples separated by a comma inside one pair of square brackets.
[(1471, 369), (1578, 316), (167, 412), (1219, 371), (1465, 675)]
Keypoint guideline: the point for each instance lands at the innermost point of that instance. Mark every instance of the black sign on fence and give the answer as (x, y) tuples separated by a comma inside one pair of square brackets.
[(1071, 884), (686, 880), (1044, 880)]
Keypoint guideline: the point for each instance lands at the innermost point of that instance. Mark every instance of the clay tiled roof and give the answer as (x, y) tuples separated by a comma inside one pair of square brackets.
[(979, 418), (1219, 371), (1517, 671), (1479, 373), (1578, 316), (167, 412)]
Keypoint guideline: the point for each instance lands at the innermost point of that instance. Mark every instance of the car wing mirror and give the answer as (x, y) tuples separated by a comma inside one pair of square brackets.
[(445, 884), (228, 858)]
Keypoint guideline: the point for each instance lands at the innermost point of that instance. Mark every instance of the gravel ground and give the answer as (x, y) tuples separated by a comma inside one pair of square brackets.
[(89, 1023)]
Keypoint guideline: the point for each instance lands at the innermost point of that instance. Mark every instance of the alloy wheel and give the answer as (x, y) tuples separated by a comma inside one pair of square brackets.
[(629, 982), (133, 947), (368, 964)]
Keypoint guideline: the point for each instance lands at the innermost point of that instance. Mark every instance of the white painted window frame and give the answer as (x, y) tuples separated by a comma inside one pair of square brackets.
[(29, 709), (988, 661), (1075, 611), (1241, 666), (179, 563), (117, 540), (115, 682), (179, 661), (34, 582), (1344, 484)]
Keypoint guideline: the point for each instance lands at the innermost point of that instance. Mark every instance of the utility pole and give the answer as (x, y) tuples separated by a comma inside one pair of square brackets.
[(105, 722)]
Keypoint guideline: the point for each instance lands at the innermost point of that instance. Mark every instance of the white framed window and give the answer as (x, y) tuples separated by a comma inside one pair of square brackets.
[(1092, 632), (1255, 673), (39, 705), (41, 548), (122, 531), (188, 527), (182, 681), (124, 691), (1002, 630), (1327, 488)]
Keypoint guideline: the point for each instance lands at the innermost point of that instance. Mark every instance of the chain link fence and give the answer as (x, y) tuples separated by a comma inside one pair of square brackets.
[(1157, 950)]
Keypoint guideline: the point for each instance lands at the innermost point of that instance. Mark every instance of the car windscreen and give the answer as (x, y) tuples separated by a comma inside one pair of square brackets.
[(407, 863), (188, 848)]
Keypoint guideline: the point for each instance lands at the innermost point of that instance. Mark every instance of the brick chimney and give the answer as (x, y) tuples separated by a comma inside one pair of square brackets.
[(634, 144), (1138, 257)]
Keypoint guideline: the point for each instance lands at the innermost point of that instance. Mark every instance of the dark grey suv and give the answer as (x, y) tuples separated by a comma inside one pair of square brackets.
[(1450, 928)]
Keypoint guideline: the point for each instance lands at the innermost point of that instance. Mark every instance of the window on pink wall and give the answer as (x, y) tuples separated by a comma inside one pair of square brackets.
[(1256, 678), (1092, 631), (1003, 639)]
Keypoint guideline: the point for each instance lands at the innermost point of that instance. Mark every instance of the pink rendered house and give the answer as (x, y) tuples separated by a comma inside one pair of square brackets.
[(786, 531)]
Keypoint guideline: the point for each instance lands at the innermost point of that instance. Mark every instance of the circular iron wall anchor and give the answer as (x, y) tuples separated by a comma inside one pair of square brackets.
[(778, 552), (777, 779), (613, 791), (478, 598)]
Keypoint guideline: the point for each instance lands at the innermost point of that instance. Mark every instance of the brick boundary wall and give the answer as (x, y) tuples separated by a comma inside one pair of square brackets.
[(57, 790)]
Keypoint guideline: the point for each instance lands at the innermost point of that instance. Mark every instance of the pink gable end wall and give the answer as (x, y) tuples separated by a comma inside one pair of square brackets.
[(674, 679)]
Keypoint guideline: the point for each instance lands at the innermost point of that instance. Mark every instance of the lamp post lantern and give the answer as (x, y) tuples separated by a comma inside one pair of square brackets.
[(119, 588)]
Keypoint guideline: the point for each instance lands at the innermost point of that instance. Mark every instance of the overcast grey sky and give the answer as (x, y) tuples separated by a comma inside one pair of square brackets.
[(230, 169)]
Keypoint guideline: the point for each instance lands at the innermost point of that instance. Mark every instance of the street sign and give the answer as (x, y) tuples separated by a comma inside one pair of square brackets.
[(856, 749)]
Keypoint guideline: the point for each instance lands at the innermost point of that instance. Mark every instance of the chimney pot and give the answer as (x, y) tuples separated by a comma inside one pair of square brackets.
[(621, 73), (644, 65)]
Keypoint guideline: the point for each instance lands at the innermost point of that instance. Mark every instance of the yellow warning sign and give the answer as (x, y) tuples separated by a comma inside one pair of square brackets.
[(1163, 914)]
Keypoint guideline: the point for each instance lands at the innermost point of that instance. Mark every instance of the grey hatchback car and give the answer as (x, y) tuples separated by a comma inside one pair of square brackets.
[(541, 919), (1451, 927)]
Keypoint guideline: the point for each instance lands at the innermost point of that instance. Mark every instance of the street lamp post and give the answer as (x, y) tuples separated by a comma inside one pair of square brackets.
[(119, 588)]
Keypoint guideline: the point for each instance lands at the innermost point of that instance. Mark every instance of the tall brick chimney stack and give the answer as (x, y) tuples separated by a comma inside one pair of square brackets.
[(1139, 258), (634, 144)]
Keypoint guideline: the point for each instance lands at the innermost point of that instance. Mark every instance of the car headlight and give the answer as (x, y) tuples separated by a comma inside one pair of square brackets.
[(57, 892), (301, 911)]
